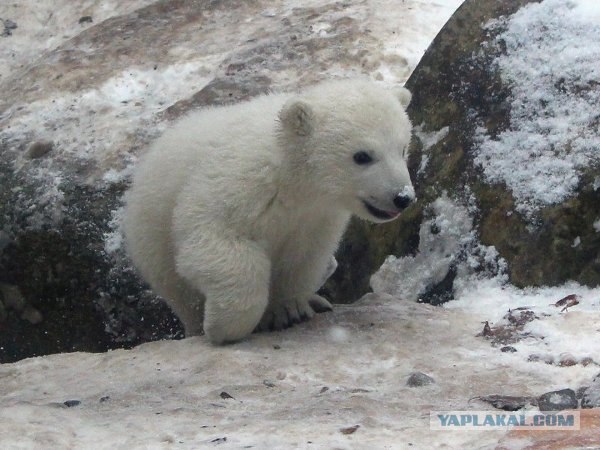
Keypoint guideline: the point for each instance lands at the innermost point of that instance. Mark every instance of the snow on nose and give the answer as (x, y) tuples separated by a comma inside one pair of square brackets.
[(404, 198), (408, 191)]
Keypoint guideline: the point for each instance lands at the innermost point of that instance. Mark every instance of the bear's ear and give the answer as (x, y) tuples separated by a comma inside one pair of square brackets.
[(297, 117), (403, 95)]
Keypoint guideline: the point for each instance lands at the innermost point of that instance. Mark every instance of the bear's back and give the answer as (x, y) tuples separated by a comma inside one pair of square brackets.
[(199, 154)]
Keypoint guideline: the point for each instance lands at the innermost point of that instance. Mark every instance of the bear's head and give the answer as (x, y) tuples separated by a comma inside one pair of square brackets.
[(350, 138)]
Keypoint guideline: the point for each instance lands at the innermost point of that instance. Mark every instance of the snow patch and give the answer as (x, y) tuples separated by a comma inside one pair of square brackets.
[(339, 334), (94, 124), (113, 240), (46, 204), (554, 332), (446, 241), (408, 191), (401, 31), (428, 139), (552, 50), (45, 24)]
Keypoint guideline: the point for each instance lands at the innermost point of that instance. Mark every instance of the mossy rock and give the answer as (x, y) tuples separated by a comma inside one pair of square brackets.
[(456, 81)]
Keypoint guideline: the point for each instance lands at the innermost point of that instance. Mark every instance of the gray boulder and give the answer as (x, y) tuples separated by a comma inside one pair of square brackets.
[(558, 400)]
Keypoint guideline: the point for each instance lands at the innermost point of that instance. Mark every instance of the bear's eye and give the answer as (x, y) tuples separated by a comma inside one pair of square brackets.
[(361, 158)]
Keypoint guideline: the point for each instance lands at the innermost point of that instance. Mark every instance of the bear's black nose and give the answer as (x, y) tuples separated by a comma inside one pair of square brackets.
[(402, 201)]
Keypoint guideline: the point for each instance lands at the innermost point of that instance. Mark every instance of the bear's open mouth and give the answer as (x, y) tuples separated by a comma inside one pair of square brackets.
[(379, 213)]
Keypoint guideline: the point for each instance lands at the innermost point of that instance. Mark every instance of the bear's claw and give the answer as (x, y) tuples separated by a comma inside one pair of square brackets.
[(279, 317), (320, 304)]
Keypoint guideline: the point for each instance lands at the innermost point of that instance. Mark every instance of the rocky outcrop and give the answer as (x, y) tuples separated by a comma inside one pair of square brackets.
[(501, 146)]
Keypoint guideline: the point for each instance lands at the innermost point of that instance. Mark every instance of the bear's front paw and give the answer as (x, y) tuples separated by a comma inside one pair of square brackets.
[(279, 316)]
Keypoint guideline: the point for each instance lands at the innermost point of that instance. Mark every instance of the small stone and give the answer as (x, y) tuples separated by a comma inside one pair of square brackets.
[(548, 359), (268, 13), (507, 402), (418, 379), (508, 349), (586, 361), (579, 393), (558, 400), (104, 399), (567, 360), (72, 403), (349, 430), (269, 383), (32, 315), (12, 297), (39, 149), (9, 25), (277, 347), (224, 395), (591, 396), (86, 19)]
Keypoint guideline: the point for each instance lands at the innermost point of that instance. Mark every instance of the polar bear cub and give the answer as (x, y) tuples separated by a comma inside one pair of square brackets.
[(236, 211)]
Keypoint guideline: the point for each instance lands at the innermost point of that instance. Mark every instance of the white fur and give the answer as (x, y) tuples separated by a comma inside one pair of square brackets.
[(236, 211)]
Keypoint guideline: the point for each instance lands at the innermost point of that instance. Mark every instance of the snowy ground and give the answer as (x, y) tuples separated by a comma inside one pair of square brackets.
[(307, 387), (295, 389)]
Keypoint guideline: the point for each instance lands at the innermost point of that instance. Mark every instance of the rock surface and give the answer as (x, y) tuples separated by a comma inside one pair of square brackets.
[(469, 114), (461, 85)]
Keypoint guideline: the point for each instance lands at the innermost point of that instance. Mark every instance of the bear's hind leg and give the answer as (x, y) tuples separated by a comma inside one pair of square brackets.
[(188, 306), (234, 277)]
